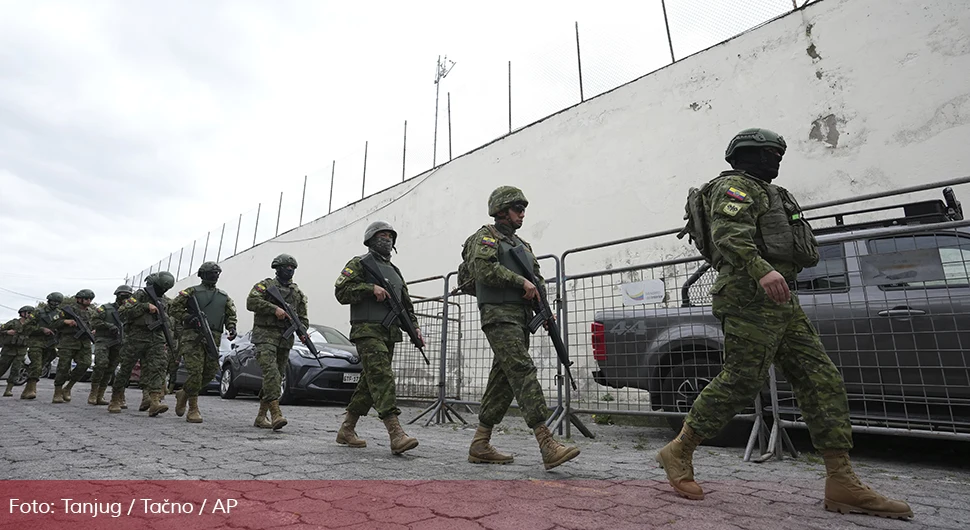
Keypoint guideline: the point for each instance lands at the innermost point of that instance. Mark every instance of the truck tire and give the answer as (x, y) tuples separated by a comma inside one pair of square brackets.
[(681, 385)]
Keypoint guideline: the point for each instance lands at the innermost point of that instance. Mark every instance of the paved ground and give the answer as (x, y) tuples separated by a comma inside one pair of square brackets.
[(613, 484)]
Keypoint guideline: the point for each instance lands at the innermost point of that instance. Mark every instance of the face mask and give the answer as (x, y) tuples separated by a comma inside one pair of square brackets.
[(285, 274), (209, 278), (382, 246), (53, 305), (120, 299), (762, 164)]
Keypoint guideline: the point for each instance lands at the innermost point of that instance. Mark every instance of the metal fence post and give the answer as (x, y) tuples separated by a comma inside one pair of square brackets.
[(192, 258), (449, 127), (179, 271), (303, 200), (404, 152), (579, 64), (510, 96), (235, 248), (333, 171), (279, 211), (256, 228), (205, 252), (169, 268), (363, 180), (221, 237), (670, 42)]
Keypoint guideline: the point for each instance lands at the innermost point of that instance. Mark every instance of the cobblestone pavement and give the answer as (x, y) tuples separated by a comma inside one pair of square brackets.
[(614, 483)]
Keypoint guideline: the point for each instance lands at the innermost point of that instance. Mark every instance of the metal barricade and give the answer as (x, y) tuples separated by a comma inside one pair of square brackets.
[(413, 378)]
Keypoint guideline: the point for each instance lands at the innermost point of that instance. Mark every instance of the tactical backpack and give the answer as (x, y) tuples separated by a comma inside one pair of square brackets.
[(697, 230), (466, 282)]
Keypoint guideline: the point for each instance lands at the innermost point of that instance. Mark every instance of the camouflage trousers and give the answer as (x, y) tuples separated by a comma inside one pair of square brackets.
[(757, 333), (39, 358), (12, 358), (273, 359), (82, 358), (153, 357), (198, 364), (376, 385), (106, 359), (513, 375), (172, 368)]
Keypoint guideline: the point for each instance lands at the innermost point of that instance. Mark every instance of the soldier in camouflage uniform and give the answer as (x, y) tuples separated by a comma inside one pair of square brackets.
[(14, 344), (758, 243), (145, 342), (73, 348), (505, 302), (269, 323), (374, 342), (41, 340), (220, 312), (109, 332)]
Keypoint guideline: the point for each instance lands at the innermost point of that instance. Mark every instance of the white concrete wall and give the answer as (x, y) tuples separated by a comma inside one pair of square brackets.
[(870, 95)]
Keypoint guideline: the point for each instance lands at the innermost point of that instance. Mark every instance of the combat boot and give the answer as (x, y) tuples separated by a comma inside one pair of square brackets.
[(347, 435), (482, 452), (67, 392), (553, 453), (100, 397), (146, 401), (9, 391), (400, 441), (30, 390), (117, 398), (93, 396), (180, 399), (845, 493), (58, 395), (261, 420), (677, 459), (124, 404), (194, 415), (278, 420), (156, 407)]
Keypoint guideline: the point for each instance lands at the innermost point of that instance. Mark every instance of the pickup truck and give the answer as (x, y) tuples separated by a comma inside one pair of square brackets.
[(901, 344)]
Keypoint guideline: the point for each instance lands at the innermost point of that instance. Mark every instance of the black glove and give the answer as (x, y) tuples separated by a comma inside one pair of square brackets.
[(192, 322), (232, 333)]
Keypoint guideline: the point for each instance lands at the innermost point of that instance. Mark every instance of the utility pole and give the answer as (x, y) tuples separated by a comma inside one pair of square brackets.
[(444, 66)]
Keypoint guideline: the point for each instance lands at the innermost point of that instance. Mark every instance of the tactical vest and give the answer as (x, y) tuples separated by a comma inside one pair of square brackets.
[(147, 318), (370, 310), (270, 320), (213, 304), (16, 340), (67, 339), (109, 311), (488, 294)]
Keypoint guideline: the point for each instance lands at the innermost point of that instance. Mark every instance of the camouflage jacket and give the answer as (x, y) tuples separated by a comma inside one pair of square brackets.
[(266, 327), (484, 266), (104, 324), (66, 333), (40, 318), (13, 343), (352, 287), (179, 311), (138, 319)]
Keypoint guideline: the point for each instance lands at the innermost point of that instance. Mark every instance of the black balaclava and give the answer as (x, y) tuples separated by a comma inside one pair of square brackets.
[(758, 162), (381, 245), (284, 274), (209, 278)]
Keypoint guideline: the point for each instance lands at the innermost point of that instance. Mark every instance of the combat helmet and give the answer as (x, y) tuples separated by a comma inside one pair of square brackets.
[(162, 280), (25, 309), (209, 266), (756, 137), (503, 197), (283, 260), (85, 293), (380, 226), (123, 289), (55, 297)]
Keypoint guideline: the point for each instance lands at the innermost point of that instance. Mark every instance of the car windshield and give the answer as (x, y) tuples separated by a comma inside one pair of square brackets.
[(324, 335)]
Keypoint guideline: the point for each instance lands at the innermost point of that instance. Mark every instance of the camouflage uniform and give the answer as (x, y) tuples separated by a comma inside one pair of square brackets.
[(72, 349), (41, 347), (107, 347), (272, 350), (144, 345), (14, 349)]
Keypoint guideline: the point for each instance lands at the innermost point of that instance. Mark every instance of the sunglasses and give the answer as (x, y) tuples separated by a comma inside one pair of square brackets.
[(517, 208)]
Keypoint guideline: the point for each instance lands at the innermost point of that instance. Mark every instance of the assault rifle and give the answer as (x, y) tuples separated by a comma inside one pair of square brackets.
[(296, 326), (544, 314), (121, 328), (397, 311), (203, 327), (162, 318), (82, 326)]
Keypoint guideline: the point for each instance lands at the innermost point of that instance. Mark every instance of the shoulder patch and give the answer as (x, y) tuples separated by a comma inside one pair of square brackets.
[(101, 309), (347, 271), (133, 300), (184, 292), (489, 241), (731, 209), (737, 194), (260, 287)]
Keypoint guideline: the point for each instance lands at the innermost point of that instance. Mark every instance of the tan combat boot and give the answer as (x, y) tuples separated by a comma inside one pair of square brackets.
[(482, 452), (146, 400), (30, 390), (194, 415), (261, 420), (400, 441), (677, 459), (58, 395), (180, 399), (156, 407), (93, 396), (347, 435), (100, 397), (9, 391), (553, 453), (117, 398), (67, 392), (274, 410), (845, 493)]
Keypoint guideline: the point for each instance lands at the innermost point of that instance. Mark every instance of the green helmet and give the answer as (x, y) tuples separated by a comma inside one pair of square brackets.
[(379, 226), (284, 259), (123, 289), (162, 280), (85, 293), (26, 309), (755, 138), (503, 197), (55, 297), (209, 266)]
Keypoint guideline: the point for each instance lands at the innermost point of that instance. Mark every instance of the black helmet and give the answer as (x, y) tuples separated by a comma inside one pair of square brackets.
[(123, 289), (26, 309), (162, 280), (755, 138), (284, 259), (85, 293), (380, 226), (209, 266), (55, 297)]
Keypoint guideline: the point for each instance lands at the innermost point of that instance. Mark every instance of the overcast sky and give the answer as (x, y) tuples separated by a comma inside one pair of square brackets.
[(128, 129)]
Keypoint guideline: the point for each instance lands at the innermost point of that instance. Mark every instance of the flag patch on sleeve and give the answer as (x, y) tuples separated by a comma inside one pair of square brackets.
[(736, 194), (348, 272), (488, 241)]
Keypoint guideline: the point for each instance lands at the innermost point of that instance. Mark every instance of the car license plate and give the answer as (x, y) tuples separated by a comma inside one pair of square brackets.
[(351, 378)]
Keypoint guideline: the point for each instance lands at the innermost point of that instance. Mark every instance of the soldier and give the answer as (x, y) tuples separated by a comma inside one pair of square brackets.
[(41, 340), (71, 346), (758, 243), (14, 347), (272, 348), (375, 343), (109, 332), (505, 302), (219, 311), (145, 341)]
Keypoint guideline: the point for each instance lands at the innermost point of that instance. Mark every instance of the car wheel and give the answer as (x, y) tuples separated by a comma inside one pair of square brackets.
[(227, 390), (21, 377), (286, 395), (681, 386)]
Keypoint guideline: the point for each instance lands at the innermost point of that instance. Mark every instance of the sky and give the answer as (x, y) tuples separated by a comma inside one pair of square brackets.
[(131, 129)]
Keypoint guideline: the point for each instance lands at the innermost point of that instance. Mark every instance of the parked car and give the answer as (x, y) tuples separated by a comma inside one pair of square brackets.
[(332, 376), (900, 344), (21, 376)]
